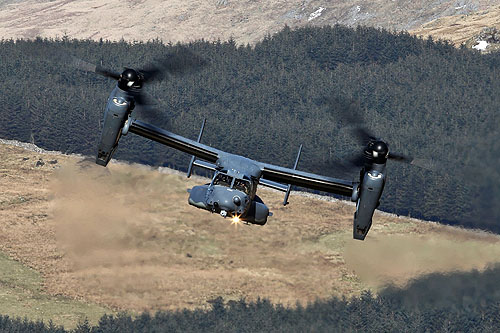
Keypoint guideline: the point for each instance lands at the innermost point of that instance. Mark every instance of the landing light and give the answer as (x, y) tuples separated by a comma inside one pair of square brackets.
[(235, 220)]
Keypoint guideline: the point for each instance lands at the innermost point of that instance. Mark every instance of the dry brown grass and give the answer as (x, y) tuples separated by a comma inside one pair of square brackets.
[(246, 21), (126, 238), (460, 28), (28, 244)]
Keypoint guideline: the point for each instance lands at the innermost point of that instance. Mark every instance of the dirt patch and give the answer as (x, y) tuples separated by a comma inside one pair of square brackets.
[(394, 258)]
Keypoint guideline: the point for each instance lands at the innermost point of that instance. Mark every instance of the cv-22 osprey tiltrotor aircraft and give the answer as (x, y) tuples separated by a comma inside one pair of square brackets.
[(232, 190)]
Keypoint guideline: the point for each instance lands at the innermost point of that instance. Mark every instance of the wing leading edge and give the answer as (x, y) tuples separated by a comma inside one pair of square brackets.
[(306, 179), (175, 141)]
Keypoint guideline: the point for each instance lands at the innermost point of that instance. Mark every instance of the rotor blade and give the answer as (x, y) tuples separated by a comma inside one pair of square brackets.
[(334, 168), (151, 72), (468, 173), (145, 106), (148, 113), (182, 60), (350, 112), (89, 67), (107, 73), (147, 109), (431, 165), (143, 98), (363, 135), (82, 64), (179, 61), (356, 161), (64, 57), (400, 158)]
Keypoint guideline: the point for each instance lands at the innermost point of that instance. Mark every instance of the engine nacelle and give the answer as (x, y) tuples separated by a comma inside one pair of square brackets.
[(257, 213), (117, 111), (370, 190), (198, 196)]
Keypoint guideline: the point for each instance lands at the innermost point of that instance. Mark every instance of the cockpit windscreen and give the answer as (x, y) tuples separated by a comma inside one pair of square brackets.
[(223, 180), (242, 185)]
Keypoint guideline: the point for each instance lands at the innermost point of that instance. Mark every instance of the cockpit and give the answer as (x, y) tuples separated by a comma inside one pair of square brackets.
[(242, 185), (223, 179)]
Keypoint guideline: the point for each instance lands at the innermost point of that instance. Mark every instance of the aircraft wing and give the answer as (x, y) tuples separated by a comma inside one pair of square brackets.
[(271, 174), (178, 142), (367, 194), (305, 179)]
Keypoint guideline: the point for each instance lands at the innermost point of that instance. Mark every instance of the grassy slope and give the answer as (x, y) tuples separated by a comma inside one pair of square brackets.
[(461, 28), (22, 295), (24, 206), (245, 21), (124, 237)]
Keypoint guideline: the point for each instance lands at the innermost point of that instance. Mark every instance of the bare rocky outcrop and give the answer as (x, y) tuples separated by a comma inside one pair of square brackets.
[(490, 35), (487, 41)]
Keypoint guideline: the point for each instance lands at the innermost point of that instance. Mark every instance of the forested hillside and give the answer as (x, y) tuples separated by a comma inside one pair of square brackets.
[(425, 98)]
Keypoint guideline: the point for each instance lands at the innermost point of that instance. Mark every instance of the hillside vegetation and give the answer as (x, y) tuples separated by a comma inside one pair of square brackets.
[(460, 29), (246, 21), (426, 99), (124, 237)]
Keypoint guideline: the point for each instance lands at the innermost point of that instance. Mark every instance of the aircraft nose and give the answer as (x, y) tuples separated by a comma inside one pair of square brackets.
[(232, 201), (227, 205)]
